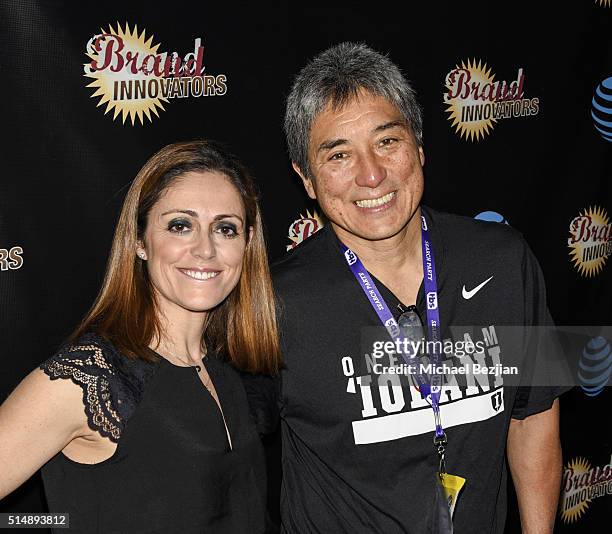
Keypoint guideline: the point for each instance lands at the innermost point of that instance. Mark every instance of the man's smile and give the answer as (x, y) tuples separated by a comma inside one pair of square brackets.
[(376, 202)]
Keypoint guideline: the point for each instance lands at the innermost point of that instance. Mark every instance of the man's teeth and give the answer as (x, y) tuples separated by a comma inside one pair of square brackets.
[(374, 203), (201, 275)]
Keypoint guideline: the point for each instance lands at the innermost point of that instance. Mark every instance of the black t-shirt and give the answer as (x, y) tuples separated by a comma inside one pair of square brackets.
[(357, 446)]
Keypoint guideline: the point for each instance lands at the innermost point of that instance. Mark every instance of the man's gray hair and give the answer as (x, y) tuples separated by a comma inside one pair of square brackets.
[(336, 76)]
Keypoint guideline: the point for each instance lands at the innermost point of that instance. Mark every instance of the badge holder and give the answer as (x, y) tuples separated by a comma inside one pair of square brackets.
[(448, 487)]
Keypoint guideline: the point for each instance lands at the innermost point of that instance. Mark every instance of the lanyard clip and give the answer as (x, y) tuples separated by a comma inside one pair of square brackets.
[(440, 442)]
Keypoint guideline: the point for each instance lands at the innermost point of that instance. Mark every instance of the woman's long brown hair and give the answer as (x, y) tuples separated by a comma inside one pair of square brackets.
[(243, 327)]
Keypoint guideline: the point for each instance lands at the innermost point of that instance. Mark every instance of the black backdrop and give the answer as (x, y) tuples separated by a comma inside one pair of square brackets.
[(66, 164)]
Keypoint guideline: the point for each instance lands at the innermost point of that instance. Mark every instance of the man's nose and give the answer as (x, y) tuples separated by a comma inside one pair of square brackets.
[(371, 171)]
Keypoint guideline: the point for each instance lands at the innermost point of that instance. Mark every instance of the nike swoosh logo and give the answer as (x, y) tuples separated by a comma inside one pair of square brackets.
[(469, 294)]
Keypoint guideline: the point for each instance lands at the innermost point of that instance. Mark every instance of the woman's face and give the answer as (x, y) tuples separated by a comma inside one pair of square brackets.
[(194, 242)]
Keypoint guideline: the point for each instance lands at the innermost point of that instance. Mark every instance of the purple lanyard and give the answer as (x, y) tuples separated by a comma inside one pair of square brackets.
[(429, 388)]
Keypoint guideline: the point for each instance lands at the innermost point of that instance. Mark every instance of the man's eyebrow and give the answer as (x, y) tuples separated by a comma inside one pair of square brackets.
[(392, 124), (331, 143)]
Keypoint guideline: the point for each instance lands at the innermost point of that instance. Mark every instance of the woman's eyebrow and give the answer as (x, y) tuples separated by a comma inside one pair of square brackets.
[(188, 212), (227, 216), (195, 214)]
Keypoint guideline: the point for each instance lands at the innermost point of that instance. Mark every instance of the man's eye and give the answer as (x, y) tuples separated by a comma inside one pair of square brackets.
[(179, 226), (227, 229), (337, 156), (388, 141)]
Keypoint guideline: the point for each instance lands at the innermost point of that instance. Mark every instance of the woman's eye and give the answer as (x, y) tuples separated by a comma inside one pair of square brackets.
[(179, 227), (227, 229)]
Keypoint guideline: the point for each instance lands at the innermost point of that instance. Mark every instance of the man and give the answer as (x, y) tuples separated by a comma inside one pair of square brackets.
[(357, 444)]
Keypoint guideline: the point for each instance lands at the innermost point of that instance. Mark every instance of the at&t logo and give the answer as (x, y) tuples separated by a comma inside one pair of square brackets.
[(491, 216), (595, 366), (601, 111)]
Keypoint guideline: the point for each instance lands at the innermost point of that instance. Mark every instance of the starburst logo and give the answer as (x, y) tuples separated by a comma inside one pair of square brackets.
[(476, 101), (462, 103), (581, 485), (590, 241), (302, 228), (575, 501), (133, 79)]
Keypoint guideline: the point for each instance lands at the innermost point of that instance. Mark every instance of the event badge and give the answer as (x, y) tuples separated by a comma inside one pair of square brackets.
[(451, 485), (447, 488)]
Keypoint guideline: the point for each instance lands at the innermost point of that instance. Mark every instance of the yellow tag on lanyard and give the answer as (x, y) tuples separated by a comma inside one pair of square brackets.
[(451, 485)]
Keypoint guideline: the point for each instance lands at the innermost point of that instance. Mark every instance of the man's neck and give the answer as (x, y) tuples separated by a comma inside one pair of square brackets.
[(395, 261)]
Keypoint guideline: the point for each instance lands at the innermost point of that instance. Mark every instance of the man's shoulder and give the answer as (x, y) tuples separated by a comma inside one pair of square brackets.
[(468, 236)]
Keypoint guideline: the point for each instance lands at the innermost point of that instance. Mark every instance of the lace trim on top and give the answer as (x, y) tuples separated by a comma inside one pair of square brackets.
[(87, 366)]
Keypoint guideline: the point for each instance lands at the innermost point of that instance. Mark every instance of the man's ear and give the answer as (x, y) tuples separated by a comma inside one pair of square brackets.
[(422, 156), (308, 185)]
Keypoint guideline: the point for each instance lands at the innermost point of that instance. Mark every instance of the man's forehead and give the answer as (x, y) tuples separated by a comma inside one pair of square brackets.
[(339, 103), (334, 117)]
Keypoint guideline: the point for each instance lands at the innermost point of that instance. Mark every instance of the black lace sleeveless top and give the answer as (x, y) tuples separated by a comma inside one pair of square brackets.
[(173, 470)]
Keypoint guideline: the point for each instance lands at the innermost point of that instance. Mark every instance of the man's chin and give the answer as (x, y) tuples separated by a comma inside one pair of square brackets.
[(378, 233), (376, 230)]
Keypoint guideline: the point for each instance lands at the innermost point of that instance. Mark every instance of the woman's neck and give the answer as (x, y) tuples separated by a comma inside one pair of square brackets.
[(181, 335)]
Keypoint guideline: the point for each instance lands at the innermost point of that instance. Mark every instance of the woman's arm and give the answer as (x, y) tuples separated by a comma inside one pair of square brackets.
[(36, 422), (262, 394)]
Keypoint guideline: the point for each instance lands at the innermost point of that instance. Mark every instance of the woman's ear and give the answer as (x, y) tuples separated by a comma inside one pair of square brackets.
[(140, 251)]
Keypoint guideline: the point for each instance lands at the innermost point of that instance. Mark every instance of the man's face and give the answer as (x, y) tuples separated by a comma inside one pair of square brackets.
[(366, 167)]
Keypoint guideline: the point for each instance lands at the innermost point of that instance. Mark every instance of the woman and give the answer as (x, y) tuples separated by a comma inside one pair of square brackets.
[(138, 423)]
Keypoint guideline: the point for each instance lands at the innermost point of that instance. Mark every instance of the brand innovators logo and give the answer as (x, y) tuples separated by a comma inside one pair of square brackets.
[(581, 484), (476, 101), (590, 241), (602, 109), (134, 79), (595, 366), (11, 259), (302, 228)]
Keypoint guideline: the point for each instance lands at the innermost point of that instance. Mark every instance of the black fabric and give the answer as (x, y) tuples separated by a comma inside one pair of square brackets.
[(173, 470), (262, 393), (441, 521), (357, 460)]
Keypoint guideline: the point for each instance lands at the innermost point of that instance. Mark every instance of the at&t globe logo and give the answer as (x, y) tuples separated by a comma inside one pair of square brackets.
[(602, 109), (491, 216), (595, 366)]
